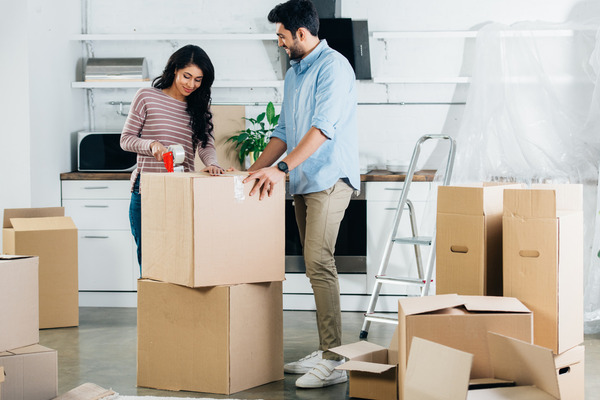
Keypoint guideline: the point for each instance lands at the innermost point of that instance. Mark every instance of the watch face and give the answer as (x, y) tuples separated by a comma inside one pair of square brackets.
[(282, 166)]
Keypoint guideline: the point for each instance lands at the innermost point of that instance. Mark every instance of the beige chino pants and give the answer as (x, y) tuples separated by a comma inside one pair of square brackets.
[(319, 216)]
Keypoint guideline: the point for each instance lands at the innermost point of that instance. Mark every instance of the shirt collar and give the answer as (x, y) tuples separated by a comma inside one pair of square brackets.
[(303, 64)]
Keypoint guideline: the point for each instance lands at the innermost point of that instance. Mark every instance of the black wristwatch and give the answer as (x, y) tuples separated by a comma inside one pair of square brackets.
[(283, 167)]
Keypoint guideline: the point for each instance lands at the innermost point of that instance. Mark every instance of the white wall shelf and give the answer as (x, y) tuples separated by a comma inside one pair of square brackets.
[(423, 80), (141, 84), (470, 34), (173, 37)]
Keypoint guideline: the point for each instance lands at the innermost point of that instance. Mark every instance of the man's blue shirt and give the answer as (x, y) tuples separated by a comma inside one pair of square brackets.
[(320, 91)]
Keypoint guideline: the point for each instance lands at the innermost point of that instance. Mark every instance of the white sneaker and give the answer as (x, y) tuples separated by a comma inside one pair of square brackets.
[(323, 374), (304, 364)]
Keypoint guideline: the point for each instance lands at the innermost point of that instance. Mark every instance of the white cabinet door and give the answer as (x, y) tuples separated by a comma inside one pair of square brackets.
[(106, 261), (96, 190), (99, 213), (382, 200)]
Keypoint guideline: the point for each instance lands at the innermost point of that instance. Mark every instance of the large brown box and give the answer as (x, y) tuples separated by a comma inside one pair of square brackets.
[(543, 260), (570, 367), (48, 234), (31, 373), (19, 315), (460, 322), (201, 230), (220, 339), (469, 239)]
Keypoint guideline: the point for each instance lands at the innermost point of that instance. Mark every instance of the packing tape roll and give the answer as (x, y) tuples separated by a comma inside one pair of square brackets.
[(178, 153)]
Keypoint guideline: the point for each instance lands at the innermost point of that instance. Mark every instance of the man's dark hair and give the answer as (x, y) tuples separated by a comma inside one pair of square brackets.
[(295, 14)]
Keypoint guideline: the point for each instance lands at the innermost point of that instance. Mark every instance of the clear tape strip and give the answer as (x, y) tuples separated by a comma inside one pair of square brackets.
[(178, 153), (238, 188)]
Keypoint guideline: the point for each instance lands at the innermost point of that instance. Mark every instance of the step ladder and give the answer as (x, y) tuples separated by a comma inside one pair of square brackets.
[(424, 276)]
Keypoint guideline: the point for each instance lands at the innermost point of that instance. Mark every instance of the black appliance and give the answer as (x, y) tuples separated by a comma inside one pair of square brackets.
[(101, 152)]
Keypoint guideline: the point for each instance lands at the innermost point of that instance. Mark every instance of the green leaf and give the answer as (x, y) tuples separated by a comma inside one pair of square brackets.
[(260, 117), (270, 112)]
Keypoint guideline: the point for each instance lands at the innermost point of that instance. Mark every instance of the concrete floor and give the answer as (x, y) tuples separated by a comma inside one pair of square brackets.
[(102, 350)]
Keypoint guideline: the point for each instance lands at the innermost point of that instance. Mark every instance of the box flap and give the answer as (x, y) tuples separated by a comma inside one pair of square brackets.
[(356, 349), (494, 303), (569, 197), (460, 200), (34, 348), (363, 366), (420, 305), (393, 349), (530, 203), (8, 257), (570, 357), (44, 223), (510, 393), (524, 363), (429, 363), (31, 213), (1, 374)]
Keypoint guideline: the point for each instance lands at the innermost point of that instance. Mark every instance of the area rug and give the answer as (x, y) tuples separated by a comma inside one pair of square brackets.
[(91, 391)]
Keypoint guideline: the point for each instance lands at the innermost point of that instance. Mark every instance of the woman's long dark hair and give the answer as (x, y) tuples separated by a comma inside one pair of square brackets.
[(198, 102)]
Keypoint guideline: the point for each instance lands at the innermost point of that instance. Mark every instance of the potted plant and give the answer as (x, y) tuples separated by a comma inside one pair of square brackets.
[(252, 141)]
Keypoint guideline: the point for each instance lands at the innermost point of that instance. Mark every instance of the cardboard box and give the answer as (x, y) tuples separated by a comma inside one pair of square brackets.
[(19, 318), (570, 367), (530, 367), (372, 369), (220, 339), (460, 322), (31, 373), (199, 230), (543, 260), (1, 380), (469, 239), (48, 234)]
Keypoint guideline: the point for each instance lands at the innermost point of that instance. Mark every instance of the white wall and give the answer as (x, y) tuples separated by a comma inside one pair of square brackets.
[(39, 110)]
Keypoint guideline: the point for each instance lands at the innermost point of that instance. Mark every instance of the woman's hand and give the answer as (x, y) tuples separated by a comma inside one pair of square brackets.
[(213, 170), (158, 150)]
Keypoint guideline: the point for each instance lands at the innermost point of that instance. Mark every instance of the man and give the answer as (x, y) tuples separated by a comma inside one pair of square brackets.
[(317, 128)]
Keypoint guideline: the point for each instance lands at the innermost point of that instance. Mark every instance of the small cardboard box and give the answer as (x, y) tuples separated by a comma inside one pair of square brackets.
[(48, 234), (460, 322), (543, 260), (220, 339), (372, 369), (19, 318), (570, 367), (31, 373), (469, 239), (200, 230), (530, 367)]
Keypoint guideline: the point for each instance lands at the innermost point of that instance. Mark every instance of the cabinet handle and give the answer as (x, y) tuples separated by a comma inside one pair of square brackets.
[(95, 187), (389, 188), (95, 237), (95, 206), (390, 209)]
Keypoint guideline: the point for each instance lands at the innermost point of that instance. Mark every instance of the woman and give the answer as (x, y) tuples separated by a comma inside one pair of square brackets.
[(175, 110)]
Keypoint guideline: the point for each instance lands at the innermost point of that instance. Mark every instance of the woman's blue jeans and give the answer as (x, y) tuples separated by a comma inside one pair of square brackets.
[(135, 219)]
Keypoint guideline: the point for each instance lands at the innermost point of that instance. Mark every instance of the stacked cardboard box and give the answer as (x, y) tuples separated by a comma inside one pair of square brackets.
[(543, 267), (210, 313), (469, 239), (28, 370), (48, 234)]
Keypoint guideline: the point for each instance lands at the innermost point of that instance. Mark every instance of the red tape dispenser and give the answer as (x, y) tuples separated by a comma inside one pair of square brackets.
[(174, 157)]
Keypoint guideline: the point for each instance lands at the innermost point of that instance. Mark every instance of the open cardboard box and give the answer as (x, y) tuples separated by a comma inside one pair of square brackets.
[(543, 260), (201, 230), (31, 373), (469, 239), (50, 235), (372, 369), (436, 371), (460, 322), (19, 295)]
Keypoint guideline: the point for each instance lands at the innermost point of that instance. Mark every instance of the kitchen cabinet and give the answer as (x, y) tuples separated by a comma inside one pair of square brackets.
[(100, 210)]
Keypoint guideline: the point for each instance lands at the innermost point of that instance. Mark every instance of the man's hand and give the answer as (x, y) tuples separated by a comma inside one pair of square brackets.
[(266, 179)]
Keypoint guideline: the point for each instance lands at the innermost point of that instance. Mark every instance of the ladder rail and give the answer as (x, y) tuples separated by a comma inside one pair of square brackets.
[(405, 203)]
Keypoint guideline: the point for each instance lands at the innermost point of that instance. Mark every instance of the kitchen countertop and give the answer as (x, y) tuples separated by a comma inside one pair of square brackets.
[(371, 176)]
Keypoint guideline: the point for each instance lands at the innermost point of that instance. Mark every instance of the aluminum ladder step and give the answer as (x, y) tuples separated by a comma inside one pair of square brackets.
[(381, 318), (399, 281), (419, 240)]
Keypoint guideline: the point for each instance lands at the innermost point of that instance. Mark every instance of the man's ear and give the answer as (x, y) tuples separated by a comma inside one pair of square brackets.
[(301, 33)]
